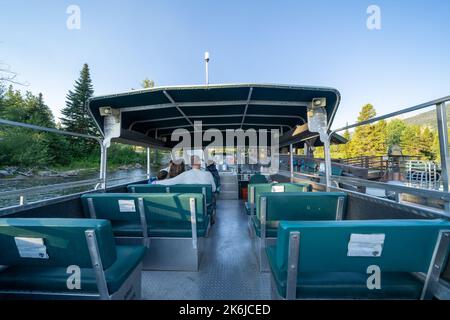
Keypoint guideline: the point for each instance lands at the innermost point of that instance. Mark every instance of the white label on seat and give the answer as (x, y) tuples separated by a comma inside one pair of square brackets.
[(127, 206), (31, 247), (277, 188), (365, 245)]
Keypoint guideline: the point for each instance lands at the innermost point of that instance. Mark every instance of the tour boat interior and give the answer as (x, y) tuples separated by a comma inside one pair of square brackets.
[(274, 231)]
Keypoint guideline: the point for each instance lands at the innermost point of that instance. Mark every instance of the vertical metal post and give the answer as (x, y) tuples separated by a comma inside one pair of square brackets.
[(441, 111), (91, 207), (207, 68), (436, 264), (292, 271), (148, 164), (340, 208), (262, 236), (193, 222), (291, 161), (103, 162), (326, 147), (22, 200), (143, 218), (97, 264)]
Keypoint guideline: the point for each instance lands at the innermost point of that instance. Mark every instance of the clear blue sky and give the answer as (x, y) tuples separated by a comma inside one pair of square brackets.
[(292, 42)]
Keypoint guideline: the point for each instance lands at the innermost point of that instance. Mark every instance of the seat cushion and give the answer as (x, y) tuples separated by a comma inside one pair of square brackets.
[(271, 228), (347, 285), (48, 279), (132, 229)]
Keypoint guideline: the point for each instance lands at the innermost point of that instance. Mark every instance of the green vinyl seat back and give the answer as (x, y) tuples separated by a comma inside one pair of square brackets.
[(274, 187), (61, 244), (298, 206), (335, 171), (165, 213), (64, 241), (257, 178), (146, 188), (206, 189), (173, 210), (277, 188), (325, 247), (308, 166)]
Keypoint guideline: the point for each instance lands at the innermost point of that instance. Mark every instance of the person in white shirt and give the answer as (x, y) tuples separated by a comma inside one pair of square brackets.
[(193, 176)]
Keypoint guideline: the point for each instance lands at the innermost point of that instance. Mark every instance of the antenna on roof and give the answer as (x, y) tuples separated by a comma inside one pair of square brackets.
[(206, 67)]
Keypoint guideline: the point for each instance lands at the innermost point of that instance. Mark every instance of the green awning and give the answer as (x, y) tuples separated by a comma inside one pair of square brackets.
[(155, 113)]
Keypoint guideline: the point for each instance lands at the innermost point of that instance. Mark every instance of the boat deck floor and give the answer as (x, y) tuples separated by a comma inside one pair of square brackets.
[(228, 268)]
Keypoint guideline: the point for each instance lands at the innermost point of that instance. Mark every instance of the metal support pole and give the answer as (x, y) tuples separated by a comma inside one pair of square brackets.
[(328, 172), (441, 111), (103, 161), (207, 68), (291, 161), (292, 267), (148, 164)]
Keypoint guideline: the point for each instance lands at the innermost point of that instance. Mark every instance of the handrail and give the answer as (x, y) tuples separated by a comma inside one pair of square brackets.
[(430, 210), (65, 185), (441, 112), (103, 148), (395, 113), (435, 194), (39, 128)]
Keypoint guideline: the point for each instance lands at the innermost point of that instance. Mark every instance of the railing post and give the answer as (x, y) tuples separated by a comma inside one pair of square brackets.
[(441, 111), (103, 161), (148, 164), (22, 200), (291, 161)]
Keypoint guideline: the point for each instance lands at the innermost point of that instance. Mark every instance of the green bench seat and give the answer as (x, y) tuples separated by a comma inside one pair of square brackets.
[(205, 189), (257, 179), (254, 191), (295, 206), (322, 267), (66, 245), (165, 214)]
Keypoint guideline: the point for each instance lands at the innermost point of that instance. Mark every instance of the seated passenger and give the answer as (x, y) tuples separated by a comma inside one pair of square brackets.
[(162, 175), (176, 167), (211, 167), (193, 176)]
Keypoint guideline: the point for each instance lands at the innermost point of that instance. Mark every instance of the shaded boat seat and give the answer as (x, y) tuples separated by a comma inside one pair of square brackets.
[(205, 189), (326, 262), (254, 191), (257, 178), (294, 206), (65, 242), (165, 214), (274, 207)]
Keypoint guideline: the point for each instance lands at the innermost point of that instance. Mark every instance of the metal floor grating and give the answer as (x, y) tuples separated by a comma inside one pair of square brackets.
[(228, 268)]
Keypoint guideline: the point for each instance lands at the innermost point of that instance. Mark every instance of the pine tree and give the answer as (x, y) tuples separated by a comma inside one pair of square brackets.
[(38, 112), (394, 130), (75, 115), (369, 140)]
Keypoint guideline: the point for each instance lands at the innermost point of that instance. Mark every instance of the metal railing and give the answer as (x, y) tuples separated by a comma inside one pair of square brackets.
[(23, 193), (441, 110)]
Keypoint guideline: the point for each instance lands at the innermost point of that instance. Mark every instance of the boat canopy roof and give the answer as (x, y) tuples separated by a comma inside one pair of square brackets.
[(149, 116)]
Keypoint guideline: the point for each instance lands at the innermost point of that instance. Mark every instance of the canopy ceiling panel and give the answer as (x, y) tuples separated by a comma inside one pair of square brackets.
[(157, 112)]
